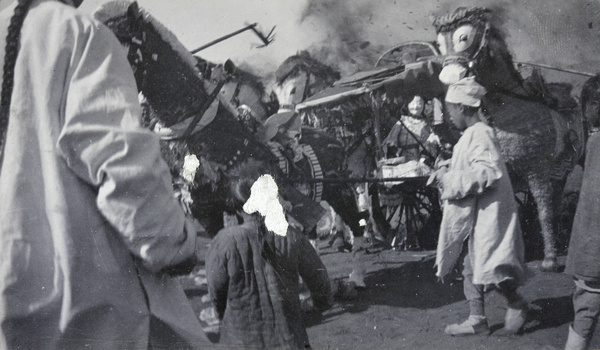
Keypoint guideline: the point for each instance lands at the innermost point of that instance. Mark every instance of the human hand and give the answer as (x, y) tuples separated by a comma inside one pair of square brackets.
[(435, 179), (442, 163)]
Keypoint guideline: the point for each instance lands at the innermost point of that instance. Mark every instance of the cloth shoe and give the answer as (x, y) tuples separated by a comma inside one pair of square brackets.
[(575, 341), (472, 325), (513, 321), (357, 276)]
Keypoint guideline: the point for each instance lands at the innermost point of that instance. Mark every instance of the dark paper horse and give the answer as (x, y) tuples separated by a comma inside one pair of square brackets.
[(201, 137)]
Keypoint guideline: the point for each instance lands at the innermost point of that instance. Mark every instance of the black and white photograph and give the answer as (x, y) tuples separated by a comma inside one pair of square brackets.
[(306, 174)]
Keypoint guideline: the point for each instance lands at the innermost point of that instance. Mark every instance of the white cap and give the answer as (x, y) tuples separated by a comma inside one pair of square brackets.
[(466, 91)]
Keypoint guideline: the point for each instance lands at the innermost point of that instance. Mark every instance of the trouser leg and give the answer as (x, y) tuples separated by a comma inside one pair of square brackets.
[(473, 292), (358, 264), (586, 306), (516, 313), (476, 323), (514, 299)]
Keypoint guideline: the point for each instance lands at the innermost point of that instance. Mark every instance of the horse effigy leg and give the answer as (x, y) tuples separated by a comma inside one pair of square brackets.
[(542, 192), (359, 270), (558, 186)]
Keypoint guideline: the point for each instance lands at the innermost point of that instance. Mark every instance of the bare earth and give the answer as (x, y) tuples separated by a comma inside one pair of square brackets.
[(404, 307)]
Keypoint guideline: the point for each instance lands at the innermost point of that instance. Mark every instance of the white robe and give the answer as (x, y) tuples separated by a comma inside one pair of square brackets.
[(479, 205), (87, 208)]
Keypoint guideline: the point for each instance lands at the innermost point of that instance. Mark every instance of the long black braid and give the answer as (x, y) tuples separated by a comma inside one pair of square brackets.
[(10, 57)]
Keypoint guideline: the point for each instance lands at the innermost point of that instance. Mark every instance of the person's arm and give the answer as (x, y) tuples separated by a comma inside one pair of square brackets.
[(313, 273), (104, 145), (483, 172), (217, 276)]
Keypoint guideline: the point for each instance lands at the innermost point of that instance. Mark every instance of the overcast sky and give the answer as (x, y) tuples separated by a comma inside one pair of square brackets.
[(561, 33)]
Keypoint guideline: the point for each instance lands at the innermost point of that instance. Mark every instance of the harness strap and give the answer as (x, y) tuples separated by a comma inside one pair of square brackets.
[(316, 171), (483, 43), (234, 97), (283, 162), (203, 109)]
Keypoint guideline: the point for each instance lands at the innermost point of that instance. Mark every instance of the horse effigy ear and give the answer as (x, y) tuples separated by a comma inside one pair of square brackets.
[(229, 67), (432, 18), (133, 11)]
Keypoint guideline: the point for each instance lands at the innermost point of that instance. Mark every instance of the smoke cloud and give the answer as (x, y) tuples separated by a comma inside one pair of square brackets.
[(350, 35)]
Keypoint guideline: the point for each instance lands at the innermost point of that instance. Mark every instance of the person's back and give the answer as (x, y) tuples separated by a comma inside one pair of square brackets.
[(79, 227), (261, 307), (253, 281)]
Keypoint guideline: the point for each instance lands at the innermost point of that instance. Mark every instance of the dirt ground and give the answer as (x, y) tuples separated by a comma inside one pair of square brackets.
[(405, 307)]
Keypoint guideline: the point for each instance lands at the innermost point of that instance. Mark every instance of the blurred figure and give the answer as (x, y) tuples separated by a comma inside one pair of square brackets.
[(412, 136), (90, 230), (253, 269), (583, 259)]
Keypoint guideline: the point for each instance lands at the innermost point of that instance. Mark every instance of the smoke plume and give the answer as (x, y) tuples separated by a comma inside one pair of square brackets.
[(351, 34)]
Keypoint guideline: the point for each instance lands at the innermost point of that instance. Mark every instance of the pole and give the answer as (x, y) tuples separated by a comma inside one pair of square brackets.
[(225, 37), (367, 179), (572, 71)]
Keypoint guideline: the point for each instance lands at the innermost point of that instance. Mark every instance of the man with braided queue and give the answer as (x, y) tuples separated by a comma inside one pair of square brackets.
[(90, 232)]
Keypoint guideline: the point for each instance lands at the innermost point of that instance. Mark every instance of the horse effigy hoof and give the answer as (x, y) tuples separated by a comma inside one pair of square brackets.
[(550, 265)]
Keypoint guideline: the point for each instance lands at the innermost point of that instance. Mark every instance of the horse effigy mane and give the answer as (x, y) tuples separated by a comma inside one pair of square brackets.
[(116, 11), (459, 17), (303, 61)]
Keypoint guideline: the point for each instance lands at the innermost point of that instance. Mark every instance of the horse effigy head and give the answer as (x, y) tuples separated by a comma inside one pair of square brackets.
[(461, 36), (301, 76), (164, 69), (201, 140), (244, 92), (474, 45)]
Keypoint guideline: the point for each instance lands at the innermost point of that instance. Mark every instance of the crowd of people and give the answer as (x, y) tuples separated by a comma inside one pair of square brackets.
[(92, 237)]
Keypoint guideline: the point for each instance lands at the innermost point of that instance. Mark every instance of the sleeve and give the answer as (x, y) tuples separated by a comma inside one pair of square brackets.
[(104, 145), (483, 171), (217, 276), (313, 273)]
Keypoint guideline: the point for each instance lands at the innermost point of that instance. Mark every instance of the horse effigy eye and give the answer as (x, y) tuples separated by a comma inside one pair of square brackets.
[(463, 37)]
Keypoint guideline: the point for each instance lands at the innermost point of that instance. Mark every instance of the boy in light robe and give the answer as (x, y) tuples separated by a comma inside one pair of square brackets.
[(479, 206)]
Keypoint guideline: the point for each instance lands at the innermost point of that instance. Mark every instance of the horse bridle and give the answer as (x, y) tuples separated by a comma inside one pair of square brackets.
[(305, 93), (469, 62)]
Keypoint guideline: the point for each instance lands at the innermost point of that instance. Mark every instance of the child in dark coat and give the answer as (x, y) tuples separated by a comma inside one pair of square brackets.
[(253, 269)]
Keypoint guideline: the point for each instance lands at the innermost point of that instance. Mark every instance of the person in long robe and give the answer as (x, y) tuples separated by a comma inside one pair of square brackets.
[(90, 231), (479, 207), (583, 258), (253, 269)]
